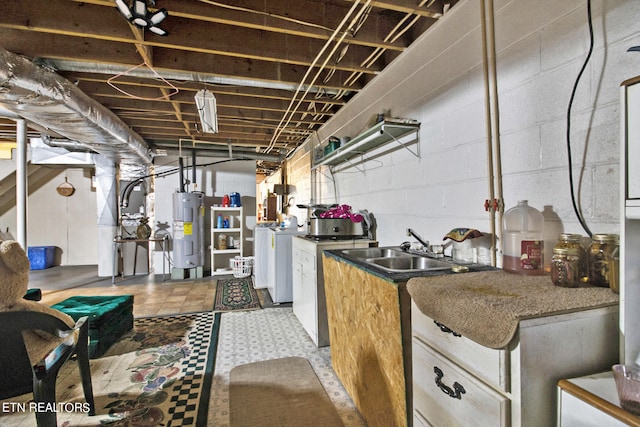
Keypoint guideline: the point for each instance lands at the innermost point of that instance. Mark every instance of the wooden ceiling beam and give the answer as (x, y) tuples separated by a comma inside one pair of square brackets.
[(90, 21), (313, 19), (92, 51)]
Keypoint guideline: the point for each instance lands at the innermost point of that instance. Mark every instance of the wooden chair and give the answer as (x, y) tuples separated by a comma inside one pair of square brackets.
[(17, 374)]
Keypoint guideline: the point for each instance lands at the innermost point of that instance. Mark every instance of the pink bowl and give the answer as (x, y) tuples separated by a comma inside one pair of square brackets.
[(628, 385)]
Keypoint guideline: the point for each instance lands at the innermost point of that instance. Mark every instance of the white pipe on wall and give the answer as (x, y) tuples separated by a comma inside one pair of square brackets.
[(494, 163), (497, 156), (21, 183), (489, 130)]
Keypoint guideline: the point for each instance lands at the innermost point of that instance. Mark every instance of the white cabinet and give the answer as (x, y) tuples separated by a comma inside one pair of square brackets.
[(274, 265), (457, 382), (233, 235), (309, 303), (592, 401), (306, 293)]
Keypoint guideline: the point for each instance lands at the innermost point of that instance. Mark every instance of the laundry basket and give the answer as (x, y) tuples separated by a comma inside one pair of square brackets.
[(242, 266)]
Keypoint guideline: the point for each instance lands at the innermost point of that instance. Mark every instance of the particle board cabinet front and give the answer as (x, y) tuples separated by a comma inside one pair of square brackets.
[(365, 315), (513, 386)]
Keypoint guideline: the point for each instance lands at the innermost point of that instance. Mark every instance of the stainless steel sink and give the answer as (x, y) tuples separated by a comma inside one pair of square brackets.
[(376, 253), (410, 263), (394, 259)]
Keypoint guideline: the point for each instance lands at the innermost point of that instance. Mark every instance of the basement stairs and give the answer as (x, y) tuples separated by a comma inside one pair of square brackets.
[(37, 176)]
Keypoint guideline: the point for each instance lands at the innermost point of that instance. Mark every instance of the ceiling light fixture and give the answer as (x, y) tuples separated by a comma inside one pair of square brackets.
[(207, 109), (140, 16)]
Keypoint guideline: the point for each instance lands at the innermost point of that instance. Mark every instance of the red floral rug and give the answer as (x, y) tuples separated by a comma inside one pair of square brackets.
[(236, 294)]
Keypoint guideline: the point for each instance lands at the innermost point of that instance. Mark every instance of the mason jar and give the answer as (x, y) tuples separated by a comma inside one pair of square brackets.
[(565, 267), (574, 241), (603, 261)]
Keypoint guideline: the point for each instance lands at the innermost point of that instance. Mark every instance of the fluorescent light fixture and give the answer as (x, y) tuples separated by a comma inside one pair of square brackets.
[(157, 30), (206, 105), (158, 16), (140, 9), (139, 15), (124, 9), (140, 22)]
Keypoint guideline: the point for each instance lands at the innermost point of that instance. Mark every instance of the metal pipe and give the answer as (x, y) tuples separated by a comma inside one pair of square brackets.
[(21, 183), (112, 69), (181, 173), (193, 169)]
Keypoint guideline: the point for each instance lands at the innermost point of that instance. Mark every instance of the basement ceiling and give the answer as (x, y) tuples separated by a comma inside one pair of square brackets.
[(279, 69)]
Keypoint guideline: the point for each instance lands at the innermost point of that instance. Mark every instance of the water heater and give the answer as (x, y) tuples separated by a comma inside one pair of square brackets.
[(188, 230)]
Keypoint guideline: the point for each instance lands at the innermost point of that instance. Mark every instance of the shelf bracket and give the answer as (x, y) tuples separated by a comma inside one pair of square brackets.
[(406, 146), (350, 164)]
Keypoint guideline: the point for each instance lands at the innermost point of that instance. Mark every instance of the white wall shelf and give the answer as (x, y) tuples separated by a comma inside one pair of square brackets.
[(220, 258), (378, 135)]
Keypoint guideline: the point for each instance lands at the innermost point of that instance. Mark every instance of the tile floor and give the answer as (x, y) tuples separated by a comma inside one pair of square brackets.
[(152, 295)]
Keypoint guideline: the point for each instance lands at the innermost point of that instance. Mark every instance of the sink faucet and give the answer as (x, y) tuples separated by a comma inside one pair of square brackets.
[(425, 243), (434, 251)]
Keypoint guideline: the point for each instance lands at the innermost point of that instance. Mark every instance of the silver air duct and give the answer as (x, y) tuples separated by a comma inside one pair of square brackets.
[(52, 102)]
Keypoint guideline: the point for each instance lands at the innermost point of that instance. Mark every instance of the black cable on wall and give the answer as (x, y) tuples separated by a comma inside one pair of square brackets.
[(573, 94)]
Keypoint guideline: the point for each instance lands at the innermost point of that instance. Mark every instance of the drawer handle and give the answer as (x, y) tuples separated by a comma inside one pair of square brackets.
[(457, 390), (445, 329)]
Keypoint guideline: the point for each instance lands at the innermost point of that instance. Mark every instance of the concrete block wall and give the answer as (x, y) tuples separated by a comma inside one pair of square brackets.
[(540, 47)]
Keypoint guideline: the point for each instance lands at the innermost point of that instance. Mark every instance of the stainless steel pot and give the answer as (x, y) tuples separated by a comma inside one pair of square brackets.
[(334, 227)]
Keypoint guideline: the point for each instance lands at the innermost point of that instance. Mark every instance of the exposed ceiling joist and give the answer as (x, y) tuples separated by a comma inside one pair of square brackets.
[(252, 56)]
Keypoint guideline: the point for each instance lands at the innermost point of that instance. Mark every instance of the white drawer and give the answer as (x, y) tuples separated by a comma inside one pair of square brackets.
[(489, 364), (419, 421), (477, 405)]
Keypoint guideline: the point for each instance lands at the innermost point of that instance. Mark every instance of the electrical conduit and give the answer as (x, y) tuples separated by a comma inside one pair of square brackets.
[(291, 110)]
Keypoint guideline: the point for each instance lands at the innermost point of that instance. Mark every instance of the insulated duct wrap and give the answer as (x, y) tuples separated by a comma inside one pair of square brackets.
[(45, 98)]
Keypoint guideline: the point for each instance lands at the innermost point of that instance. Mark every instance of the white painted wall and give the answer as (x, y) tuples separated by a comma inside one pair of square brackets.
[(69, 223), (438, 81)]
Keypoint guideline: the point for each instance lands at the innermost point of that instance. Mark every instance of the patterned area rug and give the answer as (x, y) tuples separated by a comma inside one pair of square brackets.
[(236, 294), (159, 374)]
